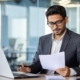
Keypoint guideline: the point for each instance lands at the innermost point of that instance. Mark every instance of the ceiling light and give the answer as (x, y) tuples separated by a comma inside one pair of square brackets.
[(64, 2), (72, 5)]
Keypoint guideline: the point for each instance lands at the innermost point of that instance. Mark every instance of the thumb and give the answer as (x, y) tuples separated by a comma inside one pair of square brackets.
[(57, 70)]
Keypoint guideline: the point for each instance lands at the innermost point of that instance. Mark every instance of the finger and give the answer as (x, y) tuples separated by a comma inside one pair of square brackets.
[(58, 70), (63, 73), (28, 69), (18, 69), (62, 69), (23, 65), (22, 69)]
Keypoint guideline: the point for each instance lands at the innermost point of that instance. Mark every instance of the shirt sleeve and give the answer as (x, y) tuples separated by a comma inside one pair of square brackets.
[(73, 72)]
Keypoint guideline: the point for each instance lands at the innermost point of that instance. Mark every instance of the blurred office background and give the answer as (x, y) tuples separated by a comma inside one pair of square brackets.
[(22, 22)]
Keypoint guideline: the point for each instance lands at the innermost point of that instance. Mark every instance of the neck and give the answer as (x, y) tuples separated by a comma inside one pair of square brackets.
[(57, 37)]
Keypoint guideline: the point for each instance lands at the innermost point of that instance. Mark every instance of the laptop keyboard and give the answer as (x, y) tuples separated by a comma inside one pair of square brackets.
[(17, 76)]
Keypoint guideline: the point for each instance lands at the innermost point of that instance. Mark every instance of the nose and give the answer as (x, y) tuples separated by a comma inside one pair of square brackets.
[(54, 26)]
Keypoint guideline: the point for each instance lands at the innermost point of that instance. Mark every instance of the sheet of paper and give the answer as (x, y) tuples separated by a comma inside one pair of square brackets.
[(53, 62), (54, 77)]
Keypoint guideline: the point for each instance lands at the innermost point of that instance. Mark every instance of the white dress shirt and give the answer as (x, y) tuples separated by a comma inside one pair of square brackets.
[(56, 45)]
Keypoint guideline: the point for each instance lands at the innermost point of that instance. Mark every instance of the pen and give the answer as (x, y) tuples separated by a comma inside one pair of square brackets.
[(21, 65)]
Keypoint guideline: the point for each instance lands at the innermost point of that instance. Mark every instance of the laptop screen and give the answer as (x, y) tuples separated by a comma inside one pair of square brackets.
[(4, 66), (6, 71)]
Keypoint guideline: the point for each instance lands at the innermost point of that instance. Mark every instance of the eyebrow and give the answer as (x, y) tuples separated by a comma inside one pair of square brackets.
[(55, 21)]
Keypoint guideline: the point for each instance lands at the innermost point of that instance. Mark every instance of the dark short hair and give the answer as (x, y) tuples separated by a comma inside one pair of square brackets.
[(56, 9)]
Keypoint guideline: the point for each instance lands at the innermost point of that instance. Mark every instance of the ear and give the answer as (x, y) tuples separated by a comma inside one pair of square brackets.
[(66, 19)]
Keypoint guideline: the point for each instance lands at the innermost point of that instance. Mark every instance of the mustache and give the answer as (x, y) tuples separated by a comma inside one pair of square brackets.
[(56, 29)]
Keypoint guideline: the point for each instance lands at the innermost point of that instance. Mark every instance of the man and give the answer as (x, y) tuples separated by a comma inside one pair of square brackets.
[(62, 39)]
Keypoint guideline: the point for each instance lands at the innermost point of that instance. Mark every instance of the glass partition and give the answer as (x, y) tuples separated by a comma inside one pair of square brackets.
[(73, 11), (23, 22)]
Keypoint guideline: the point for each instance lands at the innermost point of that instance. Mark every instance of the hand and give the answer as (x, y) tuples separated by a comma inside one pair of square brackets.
[(24, 69), (64, 71)]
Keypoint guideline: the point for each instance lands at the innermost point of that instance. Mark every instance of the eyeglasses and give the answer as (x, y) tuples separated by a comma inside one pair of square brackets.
[(57, 23)]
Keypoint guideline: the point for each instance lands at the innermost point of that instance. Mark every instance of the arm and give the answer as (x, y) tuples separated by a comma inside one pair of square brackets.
[(36, 66), (70, 71), (77, 69)]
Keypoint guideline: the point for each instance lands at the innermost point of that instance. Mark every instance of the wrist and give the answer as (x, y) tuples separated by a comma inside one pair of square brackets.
[(28, 69)]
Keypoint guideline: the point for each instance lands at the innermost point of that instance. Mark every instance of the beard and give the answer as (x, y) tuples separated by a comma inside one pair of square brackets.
[(59, 31)]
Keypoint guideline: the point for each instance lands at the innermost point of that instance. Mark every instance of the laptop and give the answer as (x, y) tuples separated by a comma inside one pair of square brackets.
[(5, 69)]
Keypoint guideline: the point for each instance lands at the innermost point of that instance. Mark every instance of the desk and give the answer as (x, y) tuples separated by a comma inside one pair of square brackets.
[(42, 77)]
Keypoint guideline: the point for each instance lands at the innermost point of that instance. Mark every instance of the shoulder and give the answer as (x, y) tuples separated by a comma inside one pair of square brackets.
[(74, 35), (45, 37)]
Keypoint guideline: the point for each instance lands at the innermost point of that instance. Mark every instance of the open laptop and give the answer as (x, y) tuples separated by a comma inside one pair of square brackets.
[(6, 71)]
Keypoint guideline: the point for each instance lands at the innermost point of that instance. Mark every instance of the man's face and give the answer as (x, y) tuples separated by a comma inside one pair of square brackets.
[(57, 23)]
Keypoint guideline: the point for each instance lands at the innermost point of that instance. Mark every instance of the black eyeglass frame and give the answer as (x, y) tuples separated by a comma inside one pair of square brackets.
[(57, 23)]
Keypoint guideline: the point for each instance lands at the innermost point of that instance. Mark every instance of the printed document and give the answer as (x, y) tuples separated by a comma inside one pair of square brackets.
[(53, 62), (59, 77)]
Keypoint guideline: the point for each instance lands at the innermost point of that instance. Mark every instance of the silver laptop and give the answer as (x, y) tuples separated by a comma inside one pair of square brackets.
[(6, 71)]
